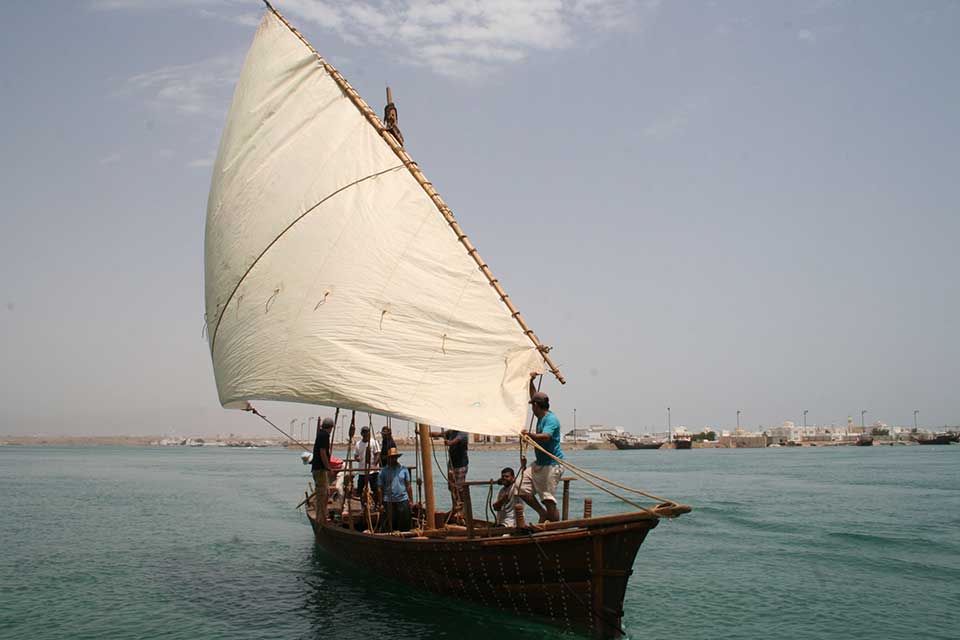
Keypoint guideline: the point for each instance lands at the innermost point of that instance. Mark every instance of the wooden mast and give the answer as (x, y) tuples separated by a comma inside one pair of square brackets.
[(426, 445)]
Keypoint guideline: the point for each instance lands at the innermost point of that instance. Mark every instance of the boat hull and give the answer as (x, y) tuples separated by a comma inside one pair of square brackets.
[(572, 578), (625, 444)]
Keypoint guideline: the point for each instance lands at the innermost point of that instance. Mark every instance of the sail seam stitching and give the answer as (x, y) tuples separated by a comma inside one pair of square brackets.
[(216, 330)]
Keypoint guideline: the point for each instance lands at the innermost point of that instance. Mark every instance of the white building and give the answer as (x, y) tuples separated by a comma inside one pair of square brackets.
[(593, 433), (787, 433)]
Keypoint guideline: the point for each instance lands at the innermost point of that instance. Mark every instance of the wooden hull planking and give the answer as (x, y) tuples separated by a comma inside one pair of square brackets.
[(573, 578)]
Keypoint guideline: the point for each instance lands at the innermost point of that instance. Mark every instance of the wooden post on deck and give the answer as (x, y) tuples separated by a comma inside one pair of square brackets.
[(587, 508), (518, 512), (565, 514), (426, 457), (348, 490), (467, 509)]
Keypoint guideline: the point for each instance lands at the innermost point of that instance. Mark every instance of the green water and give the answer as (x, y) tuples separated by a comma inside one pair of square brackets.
[(205, 543)]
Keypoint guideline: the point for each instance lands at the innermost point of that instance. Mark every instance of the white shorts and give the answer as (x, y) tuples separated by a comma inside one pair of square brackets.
[(542, 480)]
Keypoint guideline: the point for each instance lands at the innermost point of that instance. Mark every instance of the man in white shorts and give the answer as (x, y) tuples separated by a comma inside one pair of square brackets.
[(541, 478)]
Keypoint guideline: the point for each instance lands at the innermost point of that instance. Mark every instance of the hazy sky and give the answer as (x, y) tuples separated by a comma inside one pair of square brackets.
[(705, 205)]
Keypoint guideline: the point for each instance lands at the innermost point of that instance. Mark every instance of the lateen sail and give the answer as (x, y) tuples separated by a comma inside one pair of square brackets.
[(331, 276)]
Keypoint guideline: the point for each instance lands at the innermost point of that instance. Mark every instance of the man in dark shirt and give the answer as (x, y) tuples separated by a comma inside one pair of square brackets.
[(321, 466), (457, 462), (386, 443)]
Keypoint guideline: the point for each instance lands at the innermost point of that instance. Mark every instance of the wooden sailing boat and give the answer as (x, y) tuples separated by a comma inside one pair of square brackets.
[(336, 275)]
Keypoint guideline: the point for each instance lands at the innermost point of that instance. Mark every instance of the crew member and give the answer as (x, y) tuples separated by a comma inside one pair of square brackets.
[(506, 499), (367, 455), (396, 492), (457, 462), (321, 467), (386, 443), (541, 478)]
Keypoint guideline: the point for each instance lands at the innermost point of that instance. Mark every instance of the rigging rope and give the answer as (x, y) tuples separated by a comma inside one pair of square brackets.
[(585, 475), (446, 474), (612, 482), (251, 409), (523, 445)]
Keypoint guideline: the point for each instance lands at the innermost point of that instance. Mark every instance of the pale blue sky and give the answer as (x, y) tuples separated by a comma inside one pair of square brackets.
[(705, 205)]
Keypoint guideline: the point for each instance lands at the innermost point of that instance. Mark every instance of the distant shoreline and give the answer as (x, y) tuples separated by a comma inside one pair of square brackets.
[(261, 442), (238, 441)]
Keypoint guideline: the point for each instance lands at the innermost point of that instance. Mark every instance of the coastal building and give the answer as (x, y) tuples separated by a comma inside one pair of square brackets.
[(787, 433), (593, 433), (741, 439)]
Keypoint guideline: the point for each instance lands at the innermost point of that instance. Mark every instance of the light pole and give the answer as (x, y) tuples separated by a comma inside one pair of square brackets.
[(669, 427), (915, 412), (804, 418), (574, 418), (293, 426), (862, 425), (738, 419)]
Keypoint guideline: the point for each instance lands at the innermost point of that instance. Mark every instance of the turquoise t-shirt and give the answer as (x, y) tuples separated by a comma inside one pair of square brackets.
[(394, 482), (549, 424)]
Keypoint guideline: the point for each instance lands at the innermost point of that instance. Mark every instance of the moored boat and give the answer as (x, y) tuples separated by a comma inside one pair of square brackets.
[(865, 441), (627, 441), (939, 438)]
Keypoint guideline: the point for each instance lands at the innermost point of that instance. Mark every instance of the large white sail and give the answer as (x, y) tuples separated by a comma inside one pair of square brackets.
[(332, 277)]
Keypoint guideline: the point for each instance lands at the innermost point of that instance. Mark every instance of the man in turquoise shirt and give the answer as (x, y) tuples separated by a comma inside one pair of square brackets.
[(541, 478)]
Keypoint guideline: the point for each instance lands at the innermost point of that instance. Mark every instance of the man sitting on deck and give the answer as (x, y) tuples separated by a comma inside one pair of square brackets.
[(321, 467), (542, 477), (396, 492), (367, 478), (506, 499)]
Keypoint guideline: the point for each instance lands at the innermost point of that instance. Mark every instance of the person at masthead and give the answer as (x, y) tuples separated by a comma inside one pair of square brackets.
[(542, 477), (321, 466)]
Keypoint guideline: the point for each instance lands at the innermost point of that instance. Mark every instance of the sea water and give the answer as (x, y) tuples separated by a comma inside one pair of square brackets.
[(183, 543)]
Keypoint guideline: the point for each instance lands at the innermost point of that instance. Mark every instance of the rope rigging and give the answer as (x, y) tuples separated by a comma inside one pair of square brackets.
[(252, 410), (588, 477)]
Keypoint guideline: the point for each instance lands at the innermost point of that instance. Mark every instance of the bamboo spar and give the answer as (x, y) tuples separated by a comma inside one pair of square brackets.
[(427, 186)]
